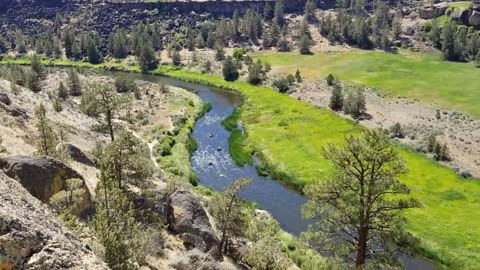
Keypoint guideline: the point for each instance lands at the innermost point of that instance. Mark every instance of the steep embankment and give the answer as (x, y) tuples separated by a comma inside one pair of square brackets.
[(32, 238)]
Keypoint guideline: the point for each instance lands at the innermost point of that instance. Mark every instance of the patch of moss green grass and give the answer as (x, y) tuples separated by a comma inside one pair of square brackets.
[(448, 229), (427, 77)]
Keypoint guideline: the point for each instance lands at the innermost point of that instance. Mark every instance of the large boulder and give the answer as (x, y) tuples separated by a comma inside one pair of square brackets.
[(474, 18), (76, 154), (431, 12), (32, 238), (43, 177), (187, 217)]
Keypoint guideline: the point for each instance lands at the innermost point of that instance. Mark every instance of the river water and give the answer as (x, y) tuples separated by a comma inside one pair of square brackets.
[(216, 169)]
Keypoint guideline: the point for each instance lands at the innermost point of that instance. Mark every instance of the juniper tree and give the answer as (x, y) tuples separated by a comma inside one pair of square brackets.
[(336, 99), (75, 88), (309, 11), (46, 139), (102, 99), (448, 43), (278, 13), (146, 57), (62, 91), (228, 212), (176, 58), (255, 74), (37, 67), (230, 70), (298, 77), (305, 44), (435, 33), (355, 104), (359, 205), (93, 54), (129, 158), (68, 42)]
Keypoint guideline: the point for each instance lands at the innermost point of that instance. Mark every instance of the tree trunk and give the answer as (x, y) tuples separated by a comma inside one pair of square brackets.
[(110, 125), (361, 248)]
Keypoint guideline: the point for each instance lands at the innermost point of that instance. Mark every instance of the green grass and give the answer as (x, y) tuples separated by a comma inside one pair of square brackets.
[(236, 144), (231, 122), (426, 77), (288, 134)]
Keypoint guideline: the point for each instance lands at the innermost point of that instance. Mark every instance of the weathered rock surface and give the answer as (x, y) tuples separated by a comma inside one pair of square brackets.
[(5, 99), (76, 154), (431, 12), (42, 177), (474, 18), (187, 217), (32, 238), (196, 260)]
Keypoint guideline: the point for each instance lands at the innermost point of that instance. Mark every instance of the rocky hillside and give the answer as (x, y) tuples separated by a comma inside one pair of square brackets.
[(32, 238)]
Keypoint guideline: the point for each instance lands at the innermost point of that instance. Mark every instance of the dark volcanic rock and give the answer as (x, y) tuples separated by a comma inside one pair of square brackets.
[(76, 154), (32, 238), (187, 217), (5, 99), (42, 177)]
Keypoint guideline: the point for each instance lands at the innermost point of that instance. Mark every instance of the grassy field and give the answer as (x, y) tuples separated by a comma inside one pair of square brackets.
[(426, 77), (287, 135)]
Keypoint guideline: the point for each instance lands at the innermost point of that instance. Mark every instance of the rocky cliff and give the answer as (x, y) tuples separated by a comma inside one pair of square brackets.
[(32, 238)]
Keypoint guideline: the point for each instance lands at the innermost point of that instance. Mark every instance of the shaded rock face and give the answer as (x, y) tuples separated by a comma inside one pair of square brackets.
[(187, 217), (32, 238), (474, 18), (5, 99), (431, 12), (42, 177), (76, 154)]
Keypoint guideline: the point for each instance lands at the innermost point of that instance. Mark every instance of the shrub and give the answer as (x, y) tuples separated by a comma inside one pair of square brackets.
[(396, 130), (330, 79), (230, 70), (281, 85), (123, 84)]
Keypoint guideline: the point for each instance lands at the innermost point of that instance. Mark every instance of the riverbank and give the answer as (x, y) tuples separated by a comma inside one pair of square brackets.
[(291, 152)]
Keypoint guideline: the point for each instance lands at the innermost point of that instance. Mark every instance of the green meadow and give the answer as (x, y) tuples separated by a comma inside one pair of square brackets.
[(426, 77), (288, 134)]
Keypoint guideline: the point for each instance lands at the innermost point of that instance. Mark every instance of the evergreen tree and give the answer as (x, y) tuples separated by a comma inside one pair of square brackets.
[(235, 26), (360, 204), (46, 138), (230, 70), (176, 58), (62, 92), (330, 79), (267, 12), (448, 37), (37, 66), (147, 59), (57, 105), (310, 7), (435, 34), (33, 82), (219, 52), (228, 212), (473, 45), (305, 44), (355, 104), (3, 45), (336, 100), (75, 88), (199, 42), (298, 77), (397, 26), (278, 13), (104, 100), (68, 41), (93, 54), (255, 75)]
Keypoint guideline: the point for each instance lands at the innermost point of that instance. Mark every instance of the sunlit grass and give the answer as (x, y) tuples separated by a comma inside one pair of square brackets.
[(425, 77)]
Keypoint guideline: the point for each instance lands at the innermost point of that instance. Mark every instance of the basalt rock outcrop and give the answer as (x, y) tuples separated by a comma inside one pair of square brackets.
[(76, 154), (187, 217), (32, 238), (43, 177)]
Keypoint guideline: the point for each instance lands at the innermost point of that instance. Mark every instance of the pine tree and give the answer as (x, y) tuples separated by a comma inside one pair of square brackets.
[(62, 91), (93, 54), (230, 70), (336, 100), (310, 8), (278, 13), (397, 26), (46, 138), (199, 42), (33, 82), (255, 75), (68, 42), (147, 59), (176, 58), (37, 66), (448, 44), (305, 44), (106, 101), (267, 12), (57, 105), (298, 77), (74, 85), (219, 52), (359, 206), (228, 212)]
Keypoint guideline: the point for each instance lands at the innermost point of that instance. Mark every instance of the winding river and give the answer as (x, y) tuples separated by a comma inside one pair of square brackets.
[(216, 169)]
